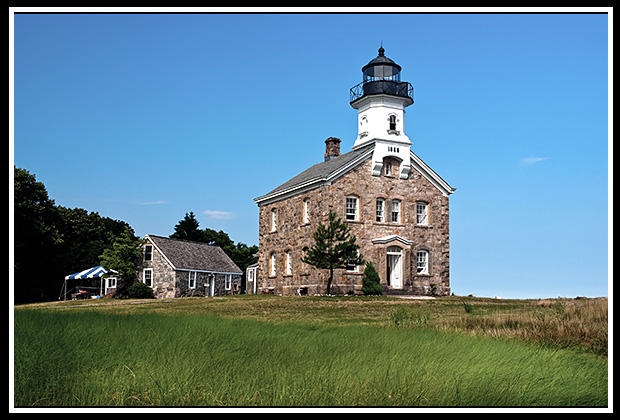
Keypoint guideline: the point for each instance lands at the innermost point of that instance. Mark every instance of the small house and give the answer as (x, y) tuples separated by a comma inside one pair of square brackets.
[(178, 268)]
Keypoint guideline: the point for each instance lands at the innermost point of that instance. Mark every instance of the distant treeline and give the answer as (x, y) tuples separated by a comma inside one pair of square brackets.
[(51, 241)]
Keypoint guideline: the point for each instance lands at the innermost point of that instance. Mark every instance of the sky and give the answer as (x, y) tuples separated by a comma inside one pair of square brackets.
[(146, 117)]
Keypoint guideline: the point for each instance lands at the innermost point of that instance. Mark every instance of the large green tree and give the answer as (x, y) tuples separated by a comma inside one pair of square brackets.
[(36, 239), (123, 257), (52, 241), (334, 247)]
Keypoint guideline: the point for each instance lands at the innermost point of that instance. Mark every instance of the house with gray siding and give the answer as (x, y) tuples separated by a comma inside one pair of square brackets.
[(178, 268)]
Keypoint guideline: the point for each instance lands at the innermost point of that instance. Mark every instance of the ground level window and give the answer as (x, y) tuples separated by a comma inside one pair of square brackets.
[(192, 279), (147, 277), (228, 281), (422, 262)]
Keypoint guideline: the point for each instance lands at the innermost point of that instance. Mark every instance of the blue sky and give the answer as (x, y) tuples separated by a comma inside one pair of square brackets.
[(144, 117)]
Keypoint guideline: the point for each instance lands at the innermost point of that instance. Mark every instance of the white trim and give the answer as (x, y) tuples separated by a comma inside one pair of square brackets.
[(431, 175), (208, 271), (162, 254), (144, 277), (390, 238)]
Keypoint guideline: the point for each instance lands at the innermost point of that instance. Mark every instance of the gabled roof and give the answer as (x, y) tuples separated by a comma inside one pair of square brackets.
[(318, 174), (189, 255), (326, 172)]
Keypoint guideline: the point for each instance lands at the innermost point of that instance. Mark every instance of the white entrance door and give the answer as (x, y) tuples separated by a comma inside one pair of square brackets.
[(395, 267), (211, 285)]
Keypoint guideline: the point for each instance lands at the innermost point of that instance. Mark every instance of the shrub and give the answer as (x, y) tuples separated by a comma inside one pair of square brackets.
[(139, 290), (370, 281)]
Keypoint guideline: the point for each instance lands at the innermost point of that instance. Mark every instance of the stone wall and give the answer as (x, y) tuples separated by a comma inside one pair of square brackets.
[(293, 235)]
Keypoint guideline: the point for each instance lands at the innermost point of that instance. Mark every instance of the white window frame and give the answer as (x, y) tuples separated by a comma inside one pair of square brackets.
[(352, 208), (289, 263), (380, 210), (227, 281), (191, 283), (421, 213), (111, 281), (351, 267), (388, 169), (307, 210), (422, 261), (396, 211), (274, 219), (150, 253), (273, 264), (152, 280)]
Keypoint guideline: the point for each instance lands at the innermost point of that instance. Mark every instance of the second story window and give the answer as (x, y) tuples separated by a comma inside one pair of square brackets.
[(148, 252), (307, 210), (274, 219), (380, 210), (352, 211), (422, 213), (395, 211)]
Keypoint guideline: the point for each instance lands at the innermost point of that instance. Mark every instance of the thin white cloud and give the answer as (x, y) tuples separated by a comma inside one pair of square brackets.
[(153, 203), (532, 160), (220, 215)]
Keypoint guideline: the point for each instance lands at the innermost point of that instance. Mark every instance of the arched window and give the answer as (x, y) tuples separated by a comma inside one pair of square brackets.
[(393, 122)]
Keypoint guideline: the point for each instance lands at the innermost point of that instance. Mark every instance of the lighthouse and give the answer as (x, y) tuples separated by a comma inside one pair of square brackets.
[(380, 100)]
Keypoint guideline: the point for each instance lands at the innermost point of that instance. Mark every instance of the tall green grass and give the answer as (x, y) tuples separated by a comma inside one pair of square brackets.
[(97, 358)]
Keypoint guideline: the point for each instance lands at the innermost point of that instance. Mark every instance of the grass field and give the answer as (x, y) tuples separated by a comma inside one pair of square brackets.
[(312, 351)]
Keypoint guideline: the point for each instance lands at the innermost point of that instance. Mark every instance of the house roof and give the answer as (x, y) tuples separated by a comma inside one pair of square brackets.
[(319, 173), (328, 171), (189, 255)]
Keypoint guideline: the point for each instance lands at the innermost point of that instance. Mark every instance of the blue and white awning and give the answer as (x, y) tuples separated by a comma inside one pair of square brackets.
[(91, 273)]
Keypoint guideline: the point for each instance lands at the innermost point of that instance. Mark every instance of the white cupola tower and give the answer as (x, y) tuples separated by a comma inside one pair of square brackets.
[(380, 100)]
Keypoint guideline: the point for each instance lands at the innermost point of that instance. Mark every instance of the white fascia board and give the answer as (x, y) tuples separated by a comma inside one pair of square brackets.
[(431, 175), (162, 254), (210, 271)]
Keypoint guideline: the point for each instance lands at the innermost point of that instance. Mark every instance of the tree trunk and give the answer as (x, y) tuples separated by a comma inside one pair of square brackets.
[(329, 281)]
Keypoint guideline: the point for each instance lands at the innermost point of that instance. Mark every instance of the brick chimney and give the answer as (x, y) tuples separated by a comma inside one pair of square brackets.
[(332, 148)]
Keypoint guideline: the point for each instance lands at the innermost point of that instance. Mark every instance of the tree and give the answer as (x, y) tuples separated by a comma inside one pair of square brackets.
[(36, 239), (334, 247), (187, 228), (370, 281), (123, 257)]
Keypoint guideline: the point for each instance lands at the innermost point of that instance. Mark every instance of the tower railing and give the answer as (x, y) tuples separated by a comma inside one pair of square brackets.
[(389, 87)]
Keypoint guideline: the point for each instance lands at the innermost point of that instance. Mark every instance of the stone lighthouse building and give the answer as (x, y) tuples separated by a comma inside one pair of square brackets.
[(395, 204)]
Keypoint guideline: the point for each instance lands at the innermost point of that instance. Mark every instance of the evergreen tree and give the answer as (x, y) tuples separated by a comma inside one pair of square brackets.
[(371, 280), (334, 247), (188, 228)]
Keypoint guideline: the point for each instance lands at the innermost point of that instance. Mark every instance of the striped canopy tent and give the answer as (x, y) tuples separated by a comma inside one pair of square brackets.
[(91, 273)]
